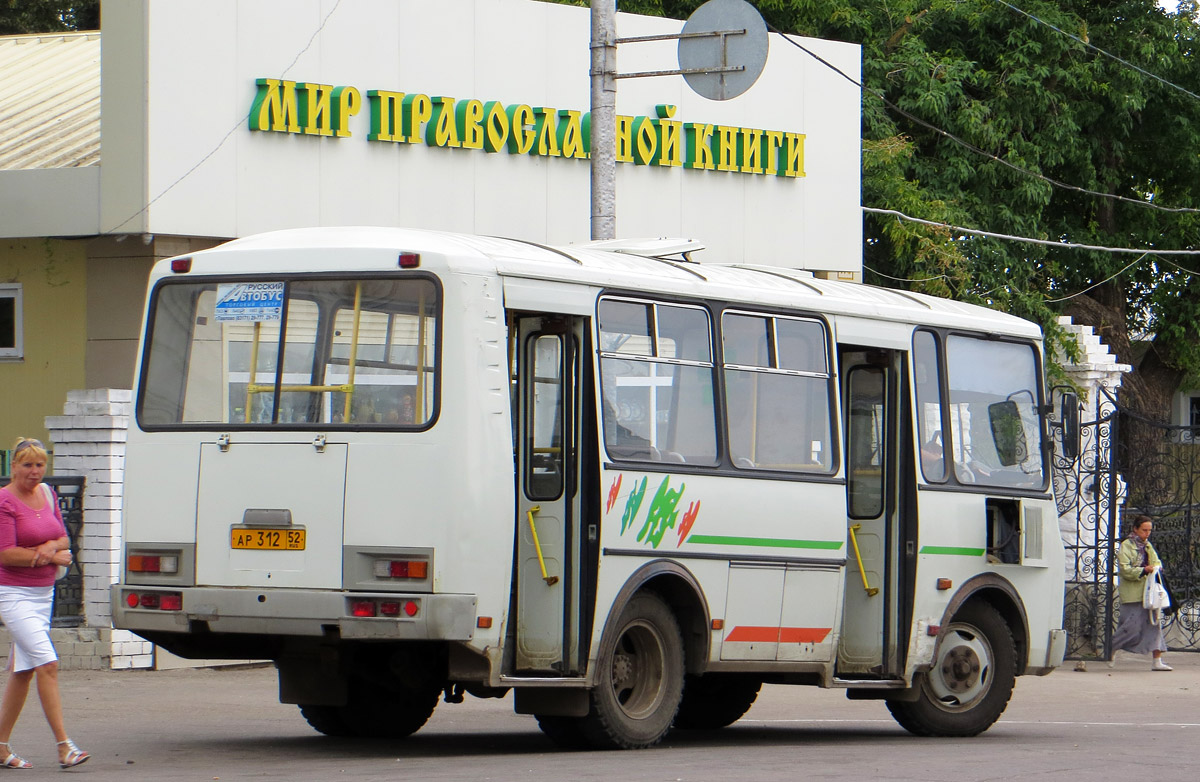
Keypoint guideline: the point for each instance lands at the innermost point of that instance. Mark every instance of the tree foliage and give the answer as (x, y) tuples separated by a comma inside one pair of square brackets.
[(48, 16), (1029, 98)]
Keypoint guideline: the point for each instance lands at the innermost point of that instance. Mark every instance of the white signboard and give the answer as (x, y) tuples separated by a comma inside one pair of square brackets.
[(468, 116), (249, 301)]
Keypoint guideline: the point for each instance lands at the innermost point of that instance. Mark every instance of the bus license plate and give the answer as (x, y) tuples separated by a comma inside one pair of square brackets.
[(267, 539)]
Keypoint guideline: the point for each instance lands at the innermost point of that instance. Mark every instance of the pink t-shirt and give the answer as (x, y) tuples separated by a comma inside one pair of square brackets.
[(22, 526)]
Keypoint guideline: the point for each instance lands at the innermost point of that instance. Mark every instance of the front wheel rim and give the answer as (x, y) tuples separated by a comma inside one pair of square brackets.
[(962, 673)]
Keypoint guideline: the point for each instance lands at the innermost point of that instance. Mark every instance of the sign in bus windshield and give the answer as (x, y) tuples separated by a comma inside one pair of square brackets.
[(249, 301)]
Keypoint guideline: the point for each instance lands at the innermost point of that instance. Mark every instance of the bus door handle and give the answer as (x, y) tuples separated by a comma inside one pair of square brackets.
[(537, 546), (871, 591), (319, 443)]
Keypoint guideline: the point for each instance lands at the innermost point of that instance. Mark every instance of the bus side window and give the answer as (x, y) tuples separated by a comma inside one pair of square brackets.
[(777, 392), (656, 376), (929, 407)]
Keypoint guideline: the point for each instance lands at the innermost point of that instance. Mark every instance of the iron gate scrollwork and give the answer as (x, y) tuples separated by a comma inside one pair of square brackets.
[(1087, 491), (1161, 466), (68, 590), (1129, 464)]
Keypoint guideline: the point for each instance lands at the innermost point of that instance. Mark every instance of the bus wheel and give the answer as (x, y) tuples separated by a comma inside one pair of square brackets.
[(325, 719), (375, 712), (566, 732), (971, 680), (640, 679), (715, 701)]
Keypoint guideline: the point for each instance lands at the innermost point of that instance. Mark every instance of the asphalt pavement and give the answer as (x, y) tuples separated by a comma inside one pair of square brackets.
[(1122, 723)]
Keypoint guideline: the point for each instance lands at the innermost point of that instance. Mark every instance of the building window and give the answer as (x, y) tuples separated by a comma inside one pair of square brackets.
[(1194, 411), (11, 337)]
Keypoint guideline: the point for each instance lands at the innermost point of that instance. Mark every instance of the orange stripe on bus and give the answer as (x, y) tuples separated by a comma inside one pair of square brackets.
[(787, 635)]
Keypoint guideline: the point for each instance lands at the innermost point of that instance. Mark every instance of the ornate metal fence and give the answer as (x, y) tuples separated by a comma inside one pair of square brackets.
[(1161, 466), (1087, 492), (1128, 465), (68, 591)]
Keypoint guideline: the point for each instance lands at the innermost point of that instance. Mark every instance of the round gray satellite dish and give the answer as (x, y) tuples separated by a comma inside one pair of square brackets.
[(747, 51)]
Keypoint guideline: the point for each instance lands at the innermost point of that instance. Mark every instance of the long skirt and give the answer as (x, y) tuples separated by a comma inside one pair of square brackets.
[(25, 611), (1137, 632)]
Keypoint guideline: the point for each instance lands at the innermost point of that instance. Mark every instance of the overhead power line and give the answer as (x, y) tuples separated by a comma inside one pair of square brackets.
[(240, 123), (1026, 239), (971, 147), (1097, 49)]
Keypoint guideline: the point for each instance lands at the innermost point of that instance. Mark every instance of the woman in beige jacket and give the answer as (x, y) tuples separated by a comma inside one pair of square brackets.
[(1138, 630)]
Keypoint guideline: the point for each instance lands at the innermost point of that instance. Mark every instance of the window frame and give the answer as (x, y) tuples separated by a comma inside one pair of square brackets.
[(652, 357), (773, 359), (15, 292), (199, 281)]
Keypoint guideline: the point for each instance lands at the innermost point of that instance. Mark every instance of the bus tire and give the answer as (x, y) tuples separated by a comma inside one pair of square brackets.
[(639, 680), (375, 712), (715, 701), (565, 732), (971, 680), (325, 719)]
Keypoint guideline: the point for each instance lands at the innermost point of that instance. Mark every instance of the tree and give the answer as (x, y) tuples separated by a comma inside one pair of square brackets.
[(48, 16), (1030, 101)]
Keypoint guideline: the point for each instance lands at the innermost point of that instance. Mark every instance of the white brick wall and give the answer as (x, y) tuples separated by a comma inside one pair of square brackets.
[(89, 440)]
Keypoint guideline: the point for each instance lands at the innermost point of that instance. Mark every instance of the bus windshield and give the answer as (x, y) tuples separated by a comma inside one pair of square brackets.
[(307, 352)]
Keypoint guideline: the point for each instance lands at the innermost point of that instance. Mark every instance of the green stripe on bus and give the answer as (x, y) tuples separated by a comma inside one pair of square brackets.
[(729, 540), (952, 551)]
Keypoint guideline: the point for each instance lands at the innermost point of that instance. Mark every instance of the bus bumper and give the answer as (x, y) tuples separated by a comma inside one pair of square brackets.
[(295, 612)]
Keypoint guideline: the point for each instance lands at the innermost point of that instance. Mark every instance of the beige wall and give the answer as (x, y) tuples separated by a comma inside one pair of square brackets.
[(53, 275), (117, 274), (82, 303)]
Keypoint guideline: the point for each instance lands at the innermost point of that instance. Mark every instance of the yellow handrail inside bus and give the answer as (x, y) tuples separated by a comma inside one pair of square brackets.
[(537, 546), (871, 591), (353, 350), (253, 369)]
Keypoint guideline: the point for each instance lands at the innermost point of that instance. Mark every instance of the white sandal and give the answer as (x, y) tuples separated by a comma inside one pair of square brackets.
[(74, 756), (13, 760)]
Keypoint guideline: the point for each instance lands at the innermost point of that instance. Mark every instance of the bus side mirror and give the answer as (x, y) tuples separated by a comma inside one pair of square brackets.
[(1008, 433), (1069, 415)]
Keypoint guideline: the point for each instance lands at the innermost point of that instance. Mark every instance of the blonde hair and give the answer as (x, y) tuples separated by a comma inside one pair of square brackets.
[(27, 449)]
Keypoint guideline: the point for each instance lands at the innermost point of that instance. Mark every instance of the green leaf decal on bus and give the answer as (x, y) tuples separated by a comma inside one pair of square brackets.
[(632, 504)]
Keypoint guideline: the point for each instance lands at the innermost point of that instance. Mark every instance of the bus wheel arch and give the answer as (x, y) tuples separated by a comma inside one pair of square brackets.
[(1000, 594), (644, 651), (681, 591), (971, 680)]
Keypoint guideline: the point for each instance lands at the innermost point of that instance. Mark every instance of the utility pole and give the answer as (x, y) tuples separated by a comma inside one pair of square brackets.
[(604, 119)]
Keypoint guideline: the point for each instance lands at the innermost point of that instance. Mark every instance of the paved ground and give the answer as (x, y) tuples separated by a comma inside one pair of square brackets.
[(1126, 723)]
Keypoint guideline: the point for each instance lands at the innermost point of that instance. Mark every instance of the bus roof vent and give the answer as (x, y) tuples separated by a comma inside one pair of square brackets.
[(663, 247)]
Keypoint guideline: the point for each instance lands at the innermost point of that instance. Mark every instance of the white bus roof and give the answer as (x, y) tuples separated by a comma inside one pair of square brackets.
[(376, 249)]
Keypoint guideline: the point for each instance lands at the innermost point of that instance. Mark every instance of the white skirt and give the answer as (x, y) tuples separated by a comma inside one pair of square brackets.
[(25, 611)]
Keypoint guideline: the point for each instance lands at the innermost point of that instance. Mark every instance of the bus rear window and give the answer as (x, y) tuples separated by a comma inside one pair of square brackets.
[(332, 353)]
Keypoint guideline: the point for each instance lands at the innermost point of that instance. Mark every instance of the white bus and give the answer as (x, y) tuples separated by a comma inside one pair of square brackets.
[(629, 489)]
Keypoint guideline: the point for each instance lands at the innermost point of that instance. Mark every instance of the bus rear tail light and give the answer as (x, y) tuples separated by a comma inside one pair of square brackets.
[(152, 563), (409, 260), (155, 601), (384, 607), (401, 568), (181, 265)]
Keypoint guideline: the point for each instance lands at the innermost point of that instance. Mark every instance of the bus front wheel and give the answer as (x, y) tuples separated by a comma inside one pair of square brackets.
[(971, 680), (640, 678)]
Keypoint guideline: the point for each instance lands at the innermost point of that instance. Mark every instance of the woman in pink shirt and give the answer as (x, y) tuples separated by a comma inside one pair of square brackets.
[(33, 543)]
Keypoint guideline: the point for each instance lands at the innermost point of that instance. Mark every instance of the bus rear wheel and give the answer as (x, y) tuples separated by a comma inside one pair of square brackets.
[(375, 712), (640, 679), (971, 680), (715, 701)]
